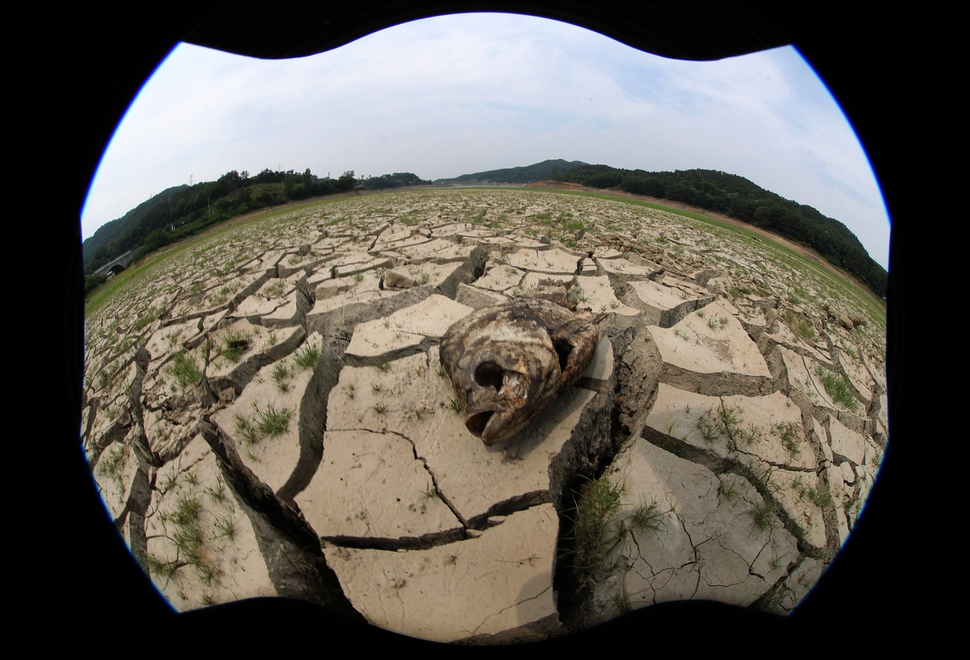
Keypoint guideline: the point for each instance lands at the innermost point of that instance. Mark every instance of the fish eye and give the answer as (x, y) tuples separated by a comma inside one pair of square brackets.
[(489, 374)]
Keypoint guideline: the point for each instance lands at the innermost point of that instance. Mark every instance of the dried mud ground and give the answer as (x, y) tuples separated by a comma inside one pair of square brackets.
[(265, 415)]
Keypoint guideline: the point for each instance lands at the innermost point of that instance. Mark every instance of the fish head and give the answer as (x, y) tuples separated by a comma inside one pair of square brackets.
[(508, 362)]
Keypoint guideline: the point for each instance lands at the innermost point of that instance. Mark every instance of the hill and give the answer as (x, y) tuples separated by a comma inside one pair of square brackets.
[(547, 169)]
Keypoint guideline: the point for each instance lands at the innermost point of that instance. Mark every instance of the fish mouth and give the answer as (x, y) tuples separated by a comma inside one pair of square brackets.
[(495, 426), (476, 423)]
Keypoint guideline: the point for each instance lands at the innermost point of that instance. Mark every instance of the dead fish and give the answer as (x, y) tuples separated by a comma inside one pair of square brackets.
[(509, 361)]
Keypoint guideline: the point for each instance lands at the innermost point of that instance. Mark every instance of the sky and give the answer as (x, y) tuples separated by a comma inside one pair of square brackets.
[(453, 95)]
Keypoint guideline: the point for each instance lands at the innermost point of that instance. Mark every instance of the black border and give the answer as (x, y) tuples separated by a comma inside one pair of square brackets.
[(89, 583)]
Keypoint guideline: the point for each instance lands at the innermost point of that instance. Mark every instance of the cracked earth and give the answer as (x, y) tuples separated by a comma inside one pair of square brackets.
[(265, 414)]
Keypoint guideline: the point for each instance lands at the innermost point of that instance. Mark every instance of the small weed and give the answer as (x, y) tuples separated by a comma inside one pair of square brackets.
[(454, 405), (170, 481), (595, 529), (729, 491), (821, 500), (430, 492), (382, 365), (358, 277), (276, 289), (205, 572), (161, 568), (713, 324), (424, 279), (380, 408), (272, 422), (763, 481), (647, 516), (235, 344), (185, 370), (837, 387), (377, 387), (307, 356), (762, 514), (227, 528), (280, 373), (191, 479), (790, 438), (187, 511), (245, 428), (441, 372), (271, 340), (218, 493), (708, 427), (421, 412)]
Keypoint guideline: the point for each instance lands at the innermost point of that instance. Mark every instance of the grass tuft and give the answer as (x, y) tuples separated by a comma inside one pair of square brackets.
[(595, 530), (838, 388), (272, 422), (185, 370), (307, 356)]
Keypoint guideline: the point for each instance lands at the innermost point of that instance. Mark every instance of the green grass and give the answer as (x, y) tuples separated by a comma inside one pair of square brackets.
[(281, 373), (800, 325), (272, 422), (218, 494), (269, 422), (763, 514), (307, 356), (790, 438), (235, 344), (820, 499), (113, 464), (185, 371), (647, 516), (728, 491), (147, 317), (838, 388), (226, 527), (595, 530), (246, 428)]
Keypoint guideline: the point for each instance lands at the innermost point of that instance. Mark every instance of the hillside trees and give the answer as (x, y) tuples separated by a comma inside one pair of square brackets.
[(346, 182)]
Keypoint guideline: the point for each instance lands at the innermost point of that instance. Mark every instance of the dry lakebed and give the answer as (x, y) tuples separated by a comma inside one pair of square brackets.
[(265, 414)]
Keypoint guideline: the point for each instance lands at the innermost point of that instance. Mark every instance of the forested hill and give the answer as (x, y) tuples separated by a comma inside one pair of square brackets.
[(116, 232), (742, 200), (185, 210), (547, 169)]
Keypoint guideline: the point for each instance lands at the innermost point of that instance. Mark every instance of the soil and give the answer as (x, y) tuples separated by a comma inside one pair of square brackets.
[(806, 252)]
